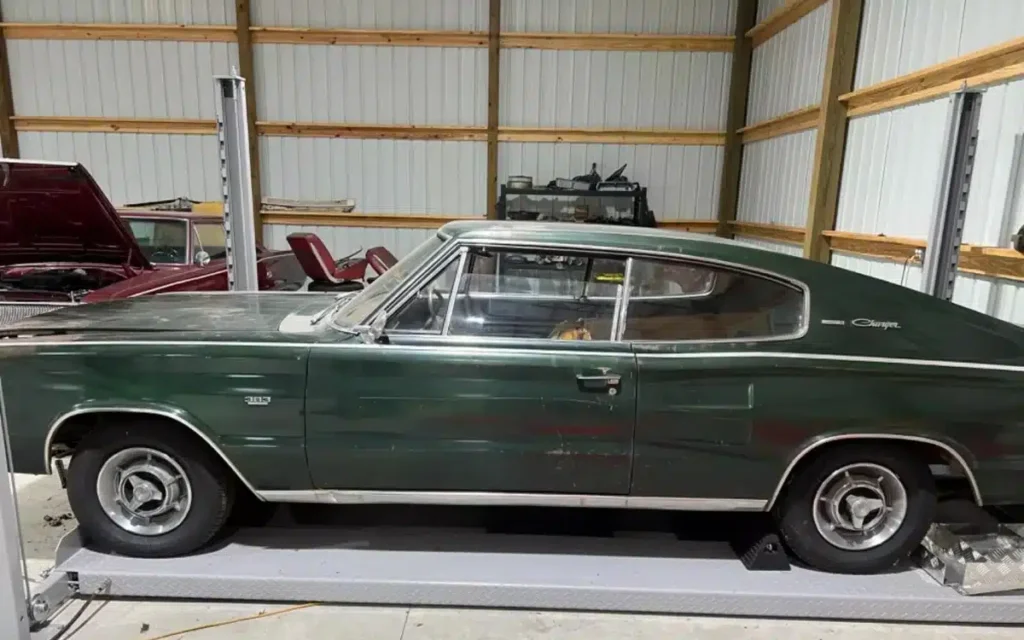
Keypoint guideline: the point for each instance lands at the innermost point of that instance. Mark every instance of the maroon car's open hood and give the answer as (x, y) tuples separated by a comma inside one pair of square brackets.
[(55, 212)]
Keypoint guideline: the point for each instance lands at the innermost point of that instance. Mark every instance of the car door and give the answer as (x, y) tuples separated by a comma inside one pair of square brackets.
[(700, 400), (471, 393)]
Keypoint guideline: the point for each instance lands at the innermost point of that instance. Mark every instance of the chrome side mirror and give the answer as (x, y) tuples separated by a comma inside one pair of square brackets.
[(374, 332), (202, 258)]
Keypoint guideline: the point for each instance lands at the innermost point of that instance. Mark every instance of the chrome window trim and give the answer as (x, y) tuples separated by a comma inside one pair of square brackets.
[(968, 472), (61, 419), (497, 498), (622, 306), (454, 294)]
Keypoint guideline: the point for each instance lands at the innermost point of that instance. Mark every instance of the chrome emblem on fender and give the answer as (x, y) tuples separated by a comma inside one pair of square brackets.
[(257, 401)]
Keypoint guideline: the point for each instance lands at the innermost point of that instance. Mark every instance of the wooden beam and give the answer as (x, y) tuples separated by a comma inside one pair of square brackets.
[(368, 220), (739, 83), (370, 131), (783, 17), (246, 68), (493, 104), (612, 136), (166, 32), (373, 37), (692, 226), (791, 122), (114, 125), (616, 42), (830, 144), (764, 231), (8, 135), (998, 64)]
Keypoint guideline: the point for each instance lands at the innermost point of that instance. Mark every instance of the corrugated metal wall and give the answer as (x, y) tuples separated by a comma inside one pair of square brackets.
[(891, 168), (125, 80), (382, 85), (786, 75), (620, 89)]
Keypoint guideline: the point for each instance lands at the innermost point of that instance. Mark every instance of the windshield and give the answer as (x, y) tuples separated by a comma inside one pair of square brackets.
[(373, 295), (161, 241)]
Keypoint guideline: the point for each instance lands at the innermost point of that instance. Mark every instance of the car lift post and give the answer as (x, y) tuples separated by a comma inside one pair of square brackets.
[(236, 179), (14, 610), (942, 252)]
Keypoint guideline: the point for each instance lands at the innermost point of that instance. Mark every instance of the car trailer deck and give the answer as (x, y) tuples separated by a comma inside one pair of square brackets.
[(625, 571)]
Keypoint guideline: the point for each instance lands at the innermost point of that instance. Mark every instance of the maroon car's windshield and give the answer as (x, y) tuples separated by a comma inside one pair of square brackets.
[(161, 241)]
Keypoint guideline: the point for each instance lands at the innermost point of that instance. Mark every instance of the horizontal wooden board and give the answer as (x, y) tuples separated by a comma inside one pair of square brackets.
[(616, 42), (799, 120), (168, 32), (114, 125), (994, 65), (781, 18), (777, 233), (375, 37), (372, 220), (612, 136), (369, 131)]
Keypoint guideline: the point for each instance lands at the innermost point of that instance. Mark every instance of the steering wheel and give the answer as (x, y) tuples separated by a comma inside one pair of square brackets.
[(165, 252), (436, 306)]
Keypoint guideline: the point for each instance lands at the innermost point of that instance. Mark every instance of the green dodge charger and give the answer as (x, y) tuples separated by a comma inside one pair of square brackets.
[(531, 364)]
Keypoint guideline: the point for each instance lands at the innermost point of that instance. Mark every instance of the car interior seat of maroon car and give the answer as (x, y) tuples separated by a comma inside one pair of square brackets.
[(380, 259), (314, 257)]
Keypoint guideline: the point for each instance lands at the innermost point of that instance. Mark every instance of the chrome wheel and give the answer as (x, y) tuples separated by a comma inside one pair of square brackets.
[(860, 506), (144, 491)]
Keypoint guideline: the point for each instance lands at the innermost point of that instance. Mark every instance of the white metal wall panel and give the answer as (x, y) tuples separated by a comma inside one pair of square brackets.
[(766, 8), (993, 190), (682, 181), (345, 240), (614, 89), (902, 36), (909, 275), (891, 171), (117, 78), (463, 15), (134, 167), (775, 181), (787, 71), (777, 247), (368, 84), (121, 11), (712, 17), (383, 176)]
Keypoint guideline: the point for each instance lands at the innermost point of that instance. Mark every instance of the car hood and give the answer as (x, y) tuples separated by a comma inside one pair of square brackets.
[(208, 312), (55, 212)]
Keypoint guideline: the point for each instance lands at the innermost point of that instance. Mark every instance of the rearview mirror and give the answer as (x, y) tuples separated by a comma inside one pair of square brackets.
[(202, 258)]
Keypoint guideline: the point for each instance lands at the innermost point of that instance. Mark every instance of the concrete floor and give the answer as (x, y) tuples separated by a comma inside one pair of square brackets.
[(44, 512)]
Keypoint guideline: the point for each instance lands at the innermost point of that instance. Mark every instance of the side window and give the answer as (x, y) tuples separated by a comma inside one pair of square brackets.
[(511, 294), (425, 311), (674, 301)]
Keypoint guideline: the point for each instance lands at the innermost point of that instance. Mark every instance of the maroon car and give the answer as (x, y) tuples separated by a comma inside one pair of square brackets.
[(62, 242)]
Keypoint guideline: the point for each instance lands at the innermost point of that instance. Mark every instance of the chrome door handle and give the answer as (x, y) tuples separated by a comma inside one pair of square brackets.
[(610, 379)]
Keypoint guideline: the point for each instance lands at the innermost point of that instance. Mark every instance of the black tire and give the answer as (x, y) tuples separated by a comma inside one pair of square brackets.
[(211, 482), (794, 513)]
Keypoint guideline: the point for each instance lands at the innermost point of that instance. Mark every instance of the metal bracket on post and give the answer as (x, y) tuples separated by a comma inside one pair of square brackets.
[(959, 148), (236, 178)]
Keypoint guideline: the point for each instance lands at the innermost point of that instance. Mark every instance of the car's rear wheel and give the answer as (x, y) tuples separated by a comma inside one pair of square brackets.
[(858, 508), (148, 490)]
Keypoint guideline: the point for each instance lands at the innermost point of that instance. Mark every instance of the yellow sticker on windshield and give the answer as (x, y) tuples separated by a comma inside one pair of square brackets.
[(609, 277)]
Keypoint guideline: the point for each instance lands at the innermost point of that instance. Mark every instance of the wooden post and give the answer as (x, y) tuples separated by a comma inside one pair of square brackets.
[(8, 136), (493, 66), (830, 145), (243, 21), (729, 189)]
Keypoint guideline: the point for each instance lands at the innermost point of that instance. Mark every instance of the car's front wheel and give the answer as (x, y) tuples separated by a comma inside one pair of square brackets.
[(858, 509), (147, 490)]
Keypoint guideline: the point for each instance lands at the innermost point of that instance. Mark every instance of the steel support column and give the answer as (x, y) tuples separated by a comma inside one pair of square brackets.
[(236, 177), (14, 621), (947, 228)]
